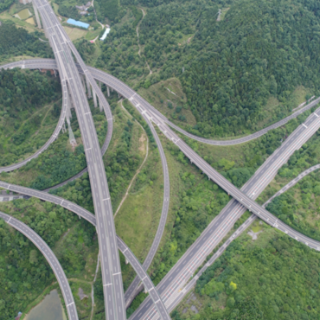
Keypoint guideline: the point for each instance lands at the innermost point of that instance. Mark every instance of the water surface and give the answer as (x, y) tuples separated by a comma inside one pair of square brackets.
[(50, 308)]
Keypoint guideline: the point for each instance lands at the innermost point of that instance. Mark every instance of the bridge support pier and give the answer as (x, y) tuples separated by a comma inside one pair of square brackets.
[(108, 91), (88, 88), (72, 139), (37, 15), (83, 83), (64, 127), (127, 261), (94, 98)]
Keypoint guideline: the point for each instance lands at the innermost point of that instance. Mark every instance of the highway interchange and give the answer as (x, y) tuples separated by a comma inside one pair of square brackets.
[(293, 146), (110, 263), (292, 143), (85, 214), (50, 257), (171, 288)]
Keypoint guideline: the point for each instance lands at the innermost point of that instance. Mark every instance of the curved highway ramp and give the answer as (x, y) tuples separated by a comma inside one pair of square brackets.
[(52, 260)]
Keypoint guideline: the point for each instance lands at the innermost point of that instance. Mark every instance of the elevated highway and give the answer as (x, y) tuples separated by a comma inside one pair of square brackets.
[(110, 263), (180, 274), (124, 90), (236, 234), (85, 214), (52, 260), (134, 287)]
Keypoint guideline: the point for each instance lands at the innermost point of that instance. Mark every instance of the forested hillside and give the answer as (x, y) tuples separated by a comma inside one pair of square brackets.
[(16, 41), (238, 73), (261, 48)]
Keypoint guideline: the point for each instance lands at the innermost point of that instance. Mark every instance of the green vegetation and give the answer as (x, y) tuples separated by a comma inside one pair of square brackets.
[(195, 201), (168, 97), (60, 161), (16, 41), (274, 277), (69, 12), (5, 4), (238, 163), (119, 52), (108, 9), (123, 157), (246, 62), (137, 220), (232, 71), (299, 206), (26, 122), (24, 271)]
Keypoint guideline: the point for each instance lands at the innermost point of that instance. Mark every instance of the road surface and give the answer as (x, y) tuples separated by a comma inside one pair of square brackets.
[(262, 177), (133, 288), (110, 263), (124, 90), (85, 214), (236, 234), (52, 260)]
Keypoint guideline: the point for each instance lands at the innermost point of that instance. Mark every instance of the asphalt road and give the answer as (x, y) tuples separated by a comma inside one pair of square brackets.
[(236, 234), (293, 182), (248, 137), (134, 288), (110, 263), (258, 182), (85, 214), (52, 260), (126, 91), (179, 275)]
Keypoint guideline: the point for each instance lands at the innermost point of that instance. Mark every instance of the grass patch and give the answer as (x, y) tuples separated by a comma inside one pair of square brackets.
[(84, 305), (19, 23), (168, 97), (273, 110), (31, 21), (75, 33), (137, 221), (24, 14), (39, 127)]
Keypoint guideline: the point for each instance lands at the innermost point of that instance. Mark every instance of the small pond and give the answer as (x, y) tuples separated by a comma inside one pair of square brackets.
[(50, 308)]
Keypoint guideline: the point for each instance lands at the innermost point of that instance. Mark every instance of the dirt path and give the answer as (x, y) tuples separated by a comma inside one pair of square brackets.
[(138, 171), (102, 26), (92, 286), (137, 31)]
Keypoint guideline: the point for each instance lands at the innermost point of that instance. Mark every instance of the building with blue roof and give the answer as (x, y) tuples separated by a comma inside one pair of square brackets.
[(78, 23)]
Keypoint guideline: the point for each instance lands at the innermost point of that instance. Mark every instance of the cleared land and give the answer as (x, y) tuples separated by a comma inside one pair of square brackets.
[(75, 33)]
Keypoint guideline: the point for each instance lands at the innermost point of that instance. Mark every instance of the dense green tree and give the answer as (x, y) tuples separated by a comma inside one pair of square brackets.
[(17, 41)]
